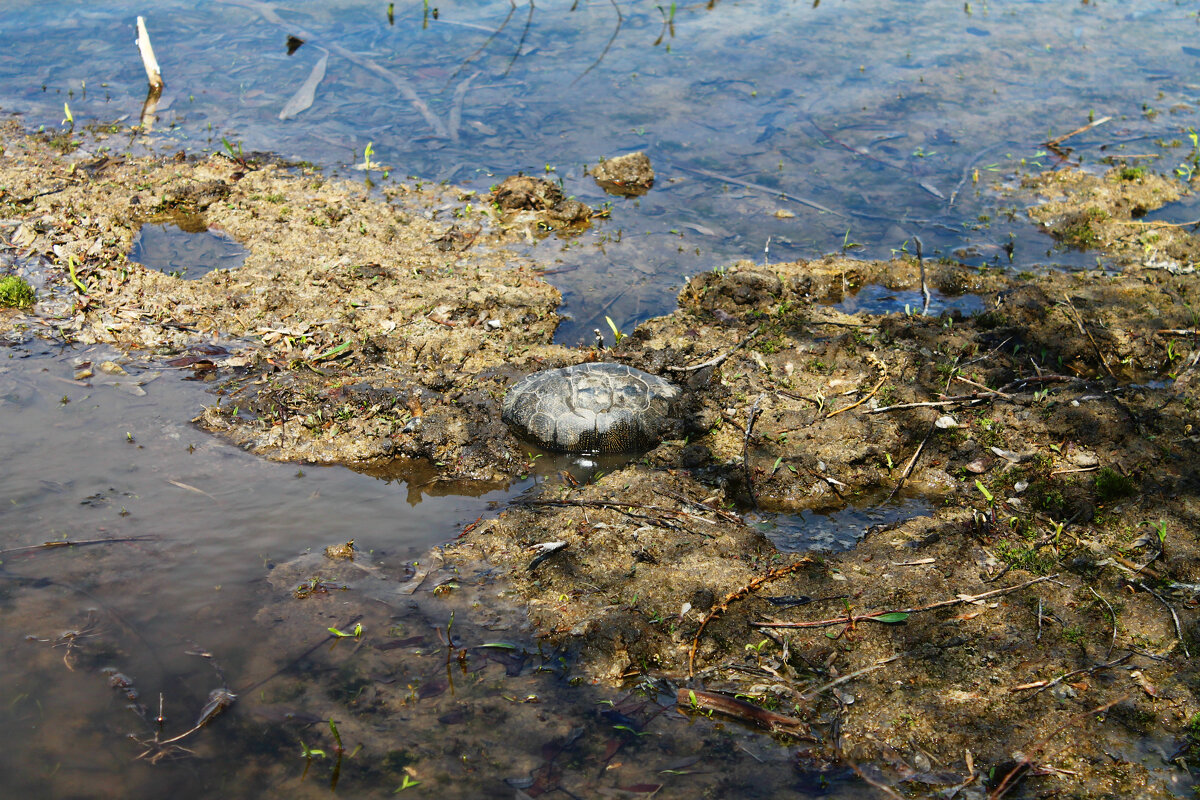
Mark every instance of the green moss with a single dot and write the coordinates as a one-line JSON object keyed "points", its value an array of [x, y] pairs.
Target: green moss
{"points": [[1023, 556], [1131, 173], [15, 292], [1112, 485], [1078, 229]]}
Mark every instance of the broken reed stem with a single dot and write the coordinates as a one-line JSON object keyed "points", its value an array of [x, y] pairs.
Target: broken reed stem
{"points": [[1112, 614], [624, 508], [153, 73], [851, 676], [874, 616], [697, 700], [737, 594], [975, 396], [1060, 139], [718, 360]]}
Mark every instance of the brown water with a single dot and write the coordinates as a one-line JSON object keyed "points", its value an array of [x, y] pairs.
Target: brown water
{"points": [[897, 118]]}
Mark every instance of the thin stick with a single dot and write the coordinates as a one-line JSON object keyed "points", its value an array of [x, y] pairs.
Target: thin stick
{"points": [[1088, 127], [953, 401], [981, 386], [718, 360], [868, 396], [77, 543], [153, 73], [750, 419], [1112, 614], [1088, 333], [1174, 616], [1042, 686], [851, 676], [912, 462], [760, 188], [874, 615]]}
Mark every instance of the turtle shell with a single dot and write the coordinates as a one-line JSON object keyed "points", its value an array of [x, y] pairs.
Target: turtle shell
{"points": [[591, 408]]}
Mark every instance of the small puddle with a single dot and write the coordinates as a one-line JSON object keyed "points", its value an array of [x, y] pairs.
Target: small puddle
{"points": [[185, 248], [832, 533], [876, 299], [1185, 211]]}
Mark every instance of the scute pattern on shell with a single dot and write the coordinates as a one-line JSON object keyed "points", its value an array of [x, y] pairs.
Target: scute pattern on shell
{"points": [[591, 408]]}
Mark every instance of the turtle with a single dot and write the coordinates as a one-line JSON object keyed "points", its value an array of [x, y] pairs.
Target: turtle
{"points": [[591, 408]]}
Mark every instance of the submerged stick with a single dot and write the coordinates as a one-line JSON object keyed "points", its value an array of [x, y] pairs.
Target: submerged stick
{"points": [[267, 12], [153, 73], [77, 543], [758, 187]]}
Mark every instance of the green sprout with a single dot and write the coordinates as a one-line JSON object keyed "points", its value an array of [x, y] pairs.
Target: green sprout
{"points": [[356, 633], [617, 335]]}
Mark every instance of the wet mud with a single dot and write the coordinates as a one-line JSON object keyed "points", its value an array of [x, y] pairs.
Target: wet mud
{"points": [[1035, 628]]}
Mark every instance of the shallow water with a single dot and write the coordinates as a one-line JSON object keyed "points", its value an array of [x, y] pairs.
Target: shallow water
{"points": [[188, 254], [778, 130], [809, 531], [899, 119]]}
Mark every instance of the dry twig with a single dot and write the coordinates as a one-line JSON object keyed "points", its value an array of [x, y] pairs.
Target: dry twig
{"points": [[875, 616], [718, 360]]}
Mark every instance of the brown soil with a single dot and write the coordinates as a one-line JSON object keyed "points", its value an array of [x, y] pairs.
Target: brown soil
{"points": [[1052, 433]]}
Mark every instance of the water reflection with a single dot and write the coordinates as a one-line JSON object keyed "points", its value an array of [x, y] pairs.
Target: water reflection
{"points": [[185, 251], [897, 119]]}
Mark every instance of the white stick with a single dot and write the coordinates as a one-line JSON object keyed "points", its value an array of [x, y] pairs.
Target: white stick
{"points": [[153, 73]]}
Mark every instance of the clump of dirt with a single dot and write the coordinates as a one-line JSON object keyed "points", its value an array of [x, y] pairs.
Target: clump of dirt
{"points": [[1054, 432], [525, 198], [1104, 212], [629, 175]]}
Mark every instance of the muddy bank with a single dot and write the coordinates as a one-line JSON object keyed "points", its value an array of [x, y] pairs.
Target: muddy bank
{"points": [[1058, 573]]}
